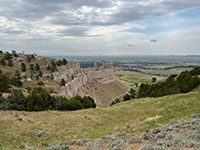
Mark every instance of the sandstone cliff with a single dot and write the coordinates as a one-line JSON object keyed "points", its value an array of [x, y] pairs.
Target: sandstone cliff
{"points": [[90, 83], [104, 74]]}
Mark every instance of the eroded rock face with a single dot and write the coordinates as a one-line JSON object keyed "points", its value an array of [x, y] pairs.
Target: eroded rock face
{"points": [[71, 88], [67, 74], [104, 74]]}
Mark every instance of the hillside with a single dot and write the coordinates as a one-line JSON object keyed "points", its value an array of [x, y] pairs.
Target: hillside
{"points": [[22, 129], [60, 77]]}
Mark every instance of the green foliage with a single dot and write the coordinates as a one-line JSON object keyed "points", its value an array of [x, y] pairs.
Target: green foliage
{"points": [[4, 83], [74, 103], [30, 58], [87, 102], [31, 66], [37, 67], [7, 56], [3, 62], [37, 78], [23, 67], [17, 74], [40, 73], [154, 80], [15, 101], [14, 53], [132, 93], [16, 79], [40, 100], [48, 67], [16, 82], [64, 61], [195, 71], [10, 63], [62, 82], [59, 63], [52, 66], [115, 101], [40, 83], [174, 84], [126, 97]]}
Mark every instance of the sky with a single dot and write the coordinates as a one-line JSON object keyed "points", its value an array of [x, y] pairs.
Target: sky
{"points": [[101, 27]]}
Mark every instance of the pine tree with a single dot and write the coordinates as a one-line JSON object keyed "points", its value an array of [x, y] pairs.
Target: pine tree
{"points": [[23, 67]]}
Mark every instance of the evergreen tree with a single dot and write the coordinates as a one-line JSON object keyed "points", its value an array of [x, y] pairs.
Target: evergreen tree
{"points": [[37, 67], [10, 63], [32, 67], [4, 83], [132, 93], [23, 67], [40, 73], [154, 80], [64, 61], [3, 62], [62, 82], [126, 97]]}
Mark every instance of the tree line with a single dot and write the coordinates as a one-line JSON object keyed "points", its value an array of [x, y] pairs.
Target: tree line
{"points": [[39, 100], [182, 83]]}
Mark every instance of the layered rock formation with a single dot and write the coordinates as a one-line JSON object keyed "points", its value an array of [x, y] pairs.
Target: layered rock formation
{"points": [[103, 74]]}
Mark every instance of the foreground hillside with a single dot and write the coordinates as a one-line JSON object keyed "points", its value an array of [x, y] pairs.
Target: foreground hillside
{"points": [[20, 130]]}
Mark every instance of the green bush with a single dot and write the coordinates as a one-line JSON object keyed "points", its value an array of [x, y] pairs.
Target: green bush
{"points": [[3, 62], [4, 83], [16, 82], [174, 84], [15, 101], [23, 67], [126, 97], [40, 100], [40, 83]]}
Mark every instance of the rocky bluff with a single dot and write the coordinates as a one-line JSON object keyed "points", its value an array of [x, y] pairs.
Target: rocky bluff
{"points": [[75, 77]]}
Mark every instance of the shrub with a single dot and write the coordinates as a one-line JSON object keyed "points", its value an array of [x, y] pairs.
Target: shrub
{"points": [[23, 67], [74, 103], [10, 63], [64, 61], [37, 67], [88, 102], [16, 82], [60, 103], [3, 62], [15, 101], [62, 82], [38, 100], [4, 83], [174, 84], [126, 97], [40, 83], [7, 56]]}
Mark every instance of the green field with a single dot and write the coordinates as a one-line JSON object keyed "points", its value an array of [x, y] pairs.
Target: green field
{"points": [[136, 80], [19, 129]]}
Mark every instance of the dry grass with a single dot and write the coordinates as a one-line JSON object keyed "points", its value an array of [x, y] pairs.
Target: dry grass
{"points": [[128, 117]]}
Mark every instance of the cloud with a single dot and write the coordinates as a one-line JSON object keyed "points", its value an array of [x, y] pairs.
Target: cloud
{"points": [[93, 12], [74, 31], [153, 41], [92, 23]]}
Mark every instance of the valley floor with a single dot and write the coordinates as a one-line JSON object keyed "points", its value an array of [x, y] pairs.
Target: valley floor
{"points": [[22, 130]]}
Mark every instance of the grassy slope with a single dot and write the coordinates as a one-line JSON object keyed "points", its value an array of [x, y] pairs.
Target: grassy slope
{"points": [[128, 117]]}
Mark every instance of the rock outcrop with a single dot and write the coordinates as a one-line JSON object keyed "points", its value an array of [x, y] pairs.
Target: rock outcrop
{"points": [[103, 74], [67, 73]]}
